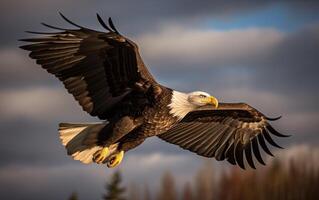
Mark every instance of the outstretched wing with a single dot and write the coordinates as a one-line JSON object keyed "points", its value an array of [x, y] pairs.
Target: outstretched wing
{"points": [[99, 69], [228, 132]]}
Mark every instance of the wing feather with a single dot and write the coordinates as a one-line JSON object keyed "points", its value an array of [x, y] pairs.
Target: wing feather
{"points": [[233, 132], [249, 157], [193, 142], [99, 69], [239, 156], [230, 154], [223, 144], [256, 151], [201, 147], [264, 145], [210, 147], [185, 136], [270, 140]]}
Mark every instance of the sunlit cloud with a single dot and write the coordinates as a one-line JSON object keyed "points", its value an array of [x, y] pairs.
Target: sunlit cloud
{"points": [[208, 46], [39, 104]]}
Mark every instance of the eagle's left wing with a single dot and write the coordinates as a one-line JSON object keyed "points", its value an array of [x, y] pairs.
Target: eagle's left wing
{"points": [[228, 132], [98, 68]]}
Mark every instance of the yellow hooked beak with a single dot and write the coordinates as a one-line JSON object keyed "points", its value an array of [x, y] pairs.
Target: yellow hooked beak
{"points": [[211, 100], [115, 159]]}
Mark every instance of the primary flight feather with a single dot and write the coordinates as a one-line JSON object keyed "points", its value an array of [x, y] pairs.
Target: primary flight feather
{"points": [[106, 75]]}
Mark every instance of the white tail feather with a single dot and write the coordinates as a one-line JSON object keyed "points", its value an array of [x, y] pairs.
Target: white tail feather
{"points": [[80, 140]]}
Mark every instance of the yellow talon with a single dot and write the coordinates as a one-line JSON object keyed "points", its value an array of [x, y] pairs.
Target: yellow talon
{"points": [[101, 155], [115, 159]]}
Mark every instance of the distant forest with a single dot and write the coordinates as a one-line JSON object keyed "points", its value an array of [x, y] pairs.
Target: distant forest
{"points": [[277, 181]]}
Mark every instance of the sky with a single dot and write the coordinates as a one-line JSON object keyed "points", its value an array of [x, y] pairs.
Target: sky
{"points": [[264, 53]]}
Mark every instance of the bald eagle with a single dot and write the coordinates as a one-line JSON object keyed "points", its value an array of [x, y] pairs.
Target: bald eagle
{"points": [[107, 76]]}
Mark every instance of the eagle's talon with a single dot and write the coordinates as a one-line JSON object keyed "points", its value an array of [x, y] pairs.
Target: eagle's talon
{"points": [[100, 155], [115, 159]]}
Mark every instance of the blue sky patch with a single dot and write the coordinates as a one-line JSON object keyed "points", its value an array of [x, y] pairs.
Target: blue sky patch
{"points": [[276, 16]]}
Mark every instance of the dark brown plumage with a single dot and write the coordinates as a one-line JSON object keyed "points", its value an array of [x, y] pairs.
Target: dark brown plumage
{"points": [[99, 69], [106, 75], [228, 132]]}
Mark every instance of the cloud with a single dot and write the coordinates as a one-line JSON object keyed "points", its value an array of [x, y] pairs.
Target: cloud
{"points": [[265, 48], [293, 62], [18, 70], [154, 161], [39, 104], [180, 46], [134, 16], [248, 56]]}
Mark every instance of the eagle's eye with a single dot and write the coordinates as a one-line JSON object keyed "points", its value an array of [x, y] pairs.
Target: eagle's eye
{"points": [[202, 96]]}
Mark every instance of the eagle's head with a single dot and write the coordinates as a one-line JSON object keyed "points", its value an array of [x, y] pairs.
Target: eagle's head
{"points": [[199, 98], [183, 103]]}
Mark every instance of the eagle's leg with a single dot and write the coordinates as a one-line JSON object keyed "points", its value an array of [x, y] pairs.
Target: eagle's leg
{"points": [[115, 159], [100, 155], [130, 141], [110, 136]]}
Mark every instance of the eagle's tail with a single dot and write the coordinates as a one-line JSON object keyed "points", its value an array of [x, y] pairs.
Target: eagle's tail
{"points": [[80, 140]]}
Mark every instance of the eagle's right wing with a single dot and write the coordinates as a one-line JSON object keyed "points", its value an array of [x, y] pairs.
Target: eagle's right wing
{"points": [[228, 132]]}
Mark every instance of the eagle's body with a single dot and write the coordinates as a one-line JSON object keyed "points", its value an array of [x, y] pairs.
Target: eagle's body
{"points": [[106, 75], [150, 117]]}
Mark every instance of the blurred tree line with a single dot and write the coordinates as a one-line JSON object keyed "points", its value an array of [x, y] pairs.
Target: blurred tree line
{"points": [[278, 180]]}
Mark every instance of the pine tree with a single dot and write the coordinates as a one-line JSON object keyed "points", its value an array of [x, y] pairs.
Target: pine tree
{"points": [[114, 189]]}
